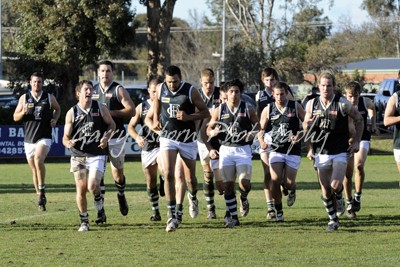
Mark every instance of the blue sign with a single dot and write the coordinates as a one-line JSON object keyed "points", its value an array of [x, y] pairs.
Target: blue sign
{"points": [[12, 141]]}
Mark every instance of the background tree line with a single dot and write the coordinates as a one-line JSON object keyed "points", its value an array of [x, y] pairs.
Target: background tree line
{"points": [[64, 39]]}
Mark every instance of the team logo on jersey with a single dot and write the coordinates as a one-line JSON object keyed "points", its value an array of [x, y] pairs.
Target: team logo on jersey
{"points": [[173, 110], [290, 115], [108, 95], [95, 114], [275, 117], [241, 114], [37, 113], [165, 99], [333, 112], [95, 96], [224, 116]]}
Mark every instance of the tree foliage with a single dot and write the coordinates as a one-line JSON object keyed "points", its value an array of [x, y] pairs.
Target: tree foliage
{"points": [[68, 35]]}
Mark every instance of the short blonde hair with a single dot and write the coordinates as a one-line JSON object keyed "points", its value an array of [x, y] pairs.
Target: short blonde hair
{"points": [[327, 75]]}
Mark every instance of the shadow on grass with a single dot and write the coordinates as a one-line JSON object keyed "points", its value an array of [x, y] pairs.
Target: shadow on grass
{"points": [[63, 188], [368, 223]]}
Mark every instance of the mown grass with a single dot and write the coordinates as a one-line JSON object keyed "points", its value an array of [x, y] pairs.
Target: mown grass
{"points": [[32, 238]]}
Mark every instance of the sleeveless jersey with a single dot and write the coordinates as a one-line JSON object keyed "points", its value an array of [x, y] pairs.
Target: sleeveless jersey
{"points": [[362, 108], [151, 138], [171, 103], [110, 98], [263, 99], [331, 127], [37, 121], [285, 123], [396, 134], [211, 102], [88, 128], [234, 126]]}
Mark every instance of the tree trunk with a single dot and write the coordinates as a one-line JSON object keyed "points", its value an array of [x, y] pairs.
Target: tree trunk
{"points": [[158, 37]]}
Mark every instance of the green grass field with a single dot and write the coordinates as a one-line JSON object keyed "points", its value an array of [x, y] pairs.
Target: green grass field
{"points": [[32, 238]]}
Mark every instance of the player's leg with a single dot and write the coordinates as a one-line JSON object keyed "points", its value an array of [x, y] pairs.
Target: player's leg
{"points": [[359, 176]]}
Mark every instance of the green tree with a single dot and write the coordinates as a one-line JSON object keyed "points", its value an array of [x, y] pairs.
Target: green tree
{"points": [[64, 36], [385, 14]]}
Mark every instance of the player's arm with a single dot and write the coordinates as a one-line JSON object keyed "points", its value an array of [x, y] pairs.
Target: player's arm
{"points": [[389, 118], [56, 110], [300, 111], [154, 123], [264, 119], [126, 101], [20, 110], [358, 124], [256, 125], [110, 123], [67, 138], [213, 127], [132, 126], [372, 115], [308, 117], [201, 112]]}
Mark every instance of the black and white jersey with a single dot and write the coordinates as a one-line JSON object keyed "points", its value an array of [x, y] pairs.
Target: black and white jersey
{"points": [[396, 134], [150, 137], [171, 103], [330, 126], [362, 108], [211, 101], [263, 98], [111, 100], [235, 125], [37, 120], [285, 123], [88, 128]]}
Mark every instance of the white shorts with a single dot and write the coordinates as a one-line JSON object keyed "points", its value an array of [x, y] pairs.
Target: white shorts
{"points": [[293, 161], [364, 144], [116, 151], [267, 139], [323, 161], [234, 155], [150, 157], [92, 164], [204, 156], [186, 150], [396, 153], [30, 148]]}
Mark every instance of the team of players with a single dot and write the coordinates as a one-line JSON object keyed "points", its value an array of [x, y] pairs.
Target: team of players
{"points": [[219, 124]]}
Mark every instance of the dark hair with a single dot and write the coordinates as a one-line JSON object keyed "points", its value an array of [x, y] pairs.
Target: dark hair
{"points": [[81, 83], [106, 62], [173, 70], [37, 74], [231, 83], [282, 85], [353, 87], [266, 72]]}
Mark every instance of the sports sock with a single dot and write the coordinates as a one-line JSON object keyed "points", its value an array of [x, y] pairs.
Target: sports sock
{"points": [[42, 188], [121, 187], [270, 205], [231, 203], [244, 194], [192, 195], [330, 208], [153, 197], [208, 188], [171, 205], [84, 216], [357, 196]]}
